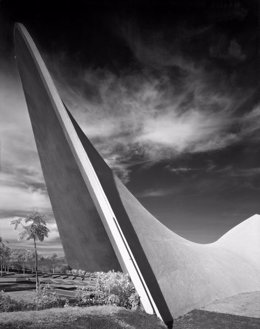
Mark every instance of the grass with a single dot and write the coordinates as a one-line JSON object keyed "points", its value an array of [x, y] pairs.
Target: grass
{"points": [[95, 317], [26, 295], [110, 317]]}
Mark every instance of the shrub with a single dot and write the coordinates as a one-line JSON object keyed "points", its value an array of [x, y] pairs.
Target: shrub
{"points": [[112, 288], [8, 304], [134, 301], [46, 297], [65, 269]]}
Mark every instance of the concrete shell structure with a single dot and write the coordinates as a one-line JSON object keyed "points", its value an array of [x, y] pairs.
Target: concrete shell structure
{"points": [[103, 226]]}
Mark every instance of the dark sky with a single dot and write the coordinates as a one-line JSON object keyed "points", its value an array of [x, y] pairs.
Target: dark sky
{"points": [[168, 92]]}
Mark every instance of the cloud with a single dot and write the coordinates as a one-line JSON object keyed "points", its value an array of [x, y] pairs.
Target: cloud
{"points": [[250, 123], [24, 199], [161, 49], [192, 131], [175, 104], [179, 169], [22, 187], [228, 50], [146, 116], [235, 171], [155, 193], [50, 244]]}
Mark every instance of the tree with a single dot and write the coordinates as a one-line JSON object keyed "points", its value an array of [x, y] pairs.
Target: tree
{"points": [[20, 257], [34, 228], [5, 253], [30, 259], [1, 255], [65, 269], [53, 260]]}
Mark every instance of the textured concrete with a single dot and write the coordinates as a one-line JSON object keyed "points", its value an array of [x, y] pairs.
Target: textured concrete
{"points": [[246, 304], [189, 274], [177, 275], [83, 236], [86, 221]]}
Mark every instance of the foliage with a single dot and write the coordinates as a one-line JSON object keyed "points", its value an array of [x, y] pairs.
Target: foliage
{"points": [[65, 269], [24, 260], [47, 298], [112, 288], [44, 298], [22, 257], [77, 272], [134, 301], [8, 304], [34, 228], [5, 255], [53, 259], [95, 317]]}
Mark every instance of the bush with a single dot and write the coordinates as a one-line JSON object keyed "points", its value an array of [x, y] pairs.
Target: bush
{"points": [[112, 288], [44, 298], [134, 301], [8, 304], [65, 269], [47, 298]]}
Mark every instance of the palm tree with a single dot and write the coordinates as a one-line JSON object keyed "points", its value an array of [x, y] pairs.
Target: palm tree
{"points": [[34, 228]]}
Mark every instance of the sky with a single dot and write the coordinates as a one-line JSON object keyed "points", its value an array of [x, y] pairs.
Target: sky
{"points": [[167, 91]]}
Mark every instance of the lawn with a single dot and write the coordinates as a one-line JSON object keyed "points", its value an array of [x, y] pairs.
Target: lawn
{"points": [[236, 312], [110, 317], [26, 295], [95, 317]]}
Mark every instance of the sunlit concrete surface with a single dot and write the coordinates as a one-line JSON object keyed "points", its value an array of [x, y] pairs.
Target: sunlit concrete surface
{"points": [[245, 304], [77, 217], [103, 226], [88, 222]]}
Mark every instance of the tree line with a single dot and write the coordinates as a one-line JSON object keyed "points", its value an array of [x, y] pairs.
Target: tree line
{"points": [[23, 260], [34, 228]]}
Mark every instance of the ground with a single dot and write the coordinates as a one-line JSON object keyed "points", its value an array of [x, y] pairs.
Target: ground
{"points": [[246, 304], [237, 312], [94, 317], [199, 319]]}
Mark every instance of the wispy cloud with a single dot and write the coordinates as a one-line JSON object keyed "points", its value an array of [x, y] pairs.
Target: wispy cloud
{"points": [[22, 187], [150, 117], [250, 123], [180, 169], [50, 244], [235, 171], [155, 193], [176, 104], [172, 105]]}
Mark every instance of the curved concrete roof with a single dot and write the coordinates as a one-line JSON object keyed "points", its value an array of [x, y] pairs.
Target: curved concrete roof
{"points": [[190, 274]]}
